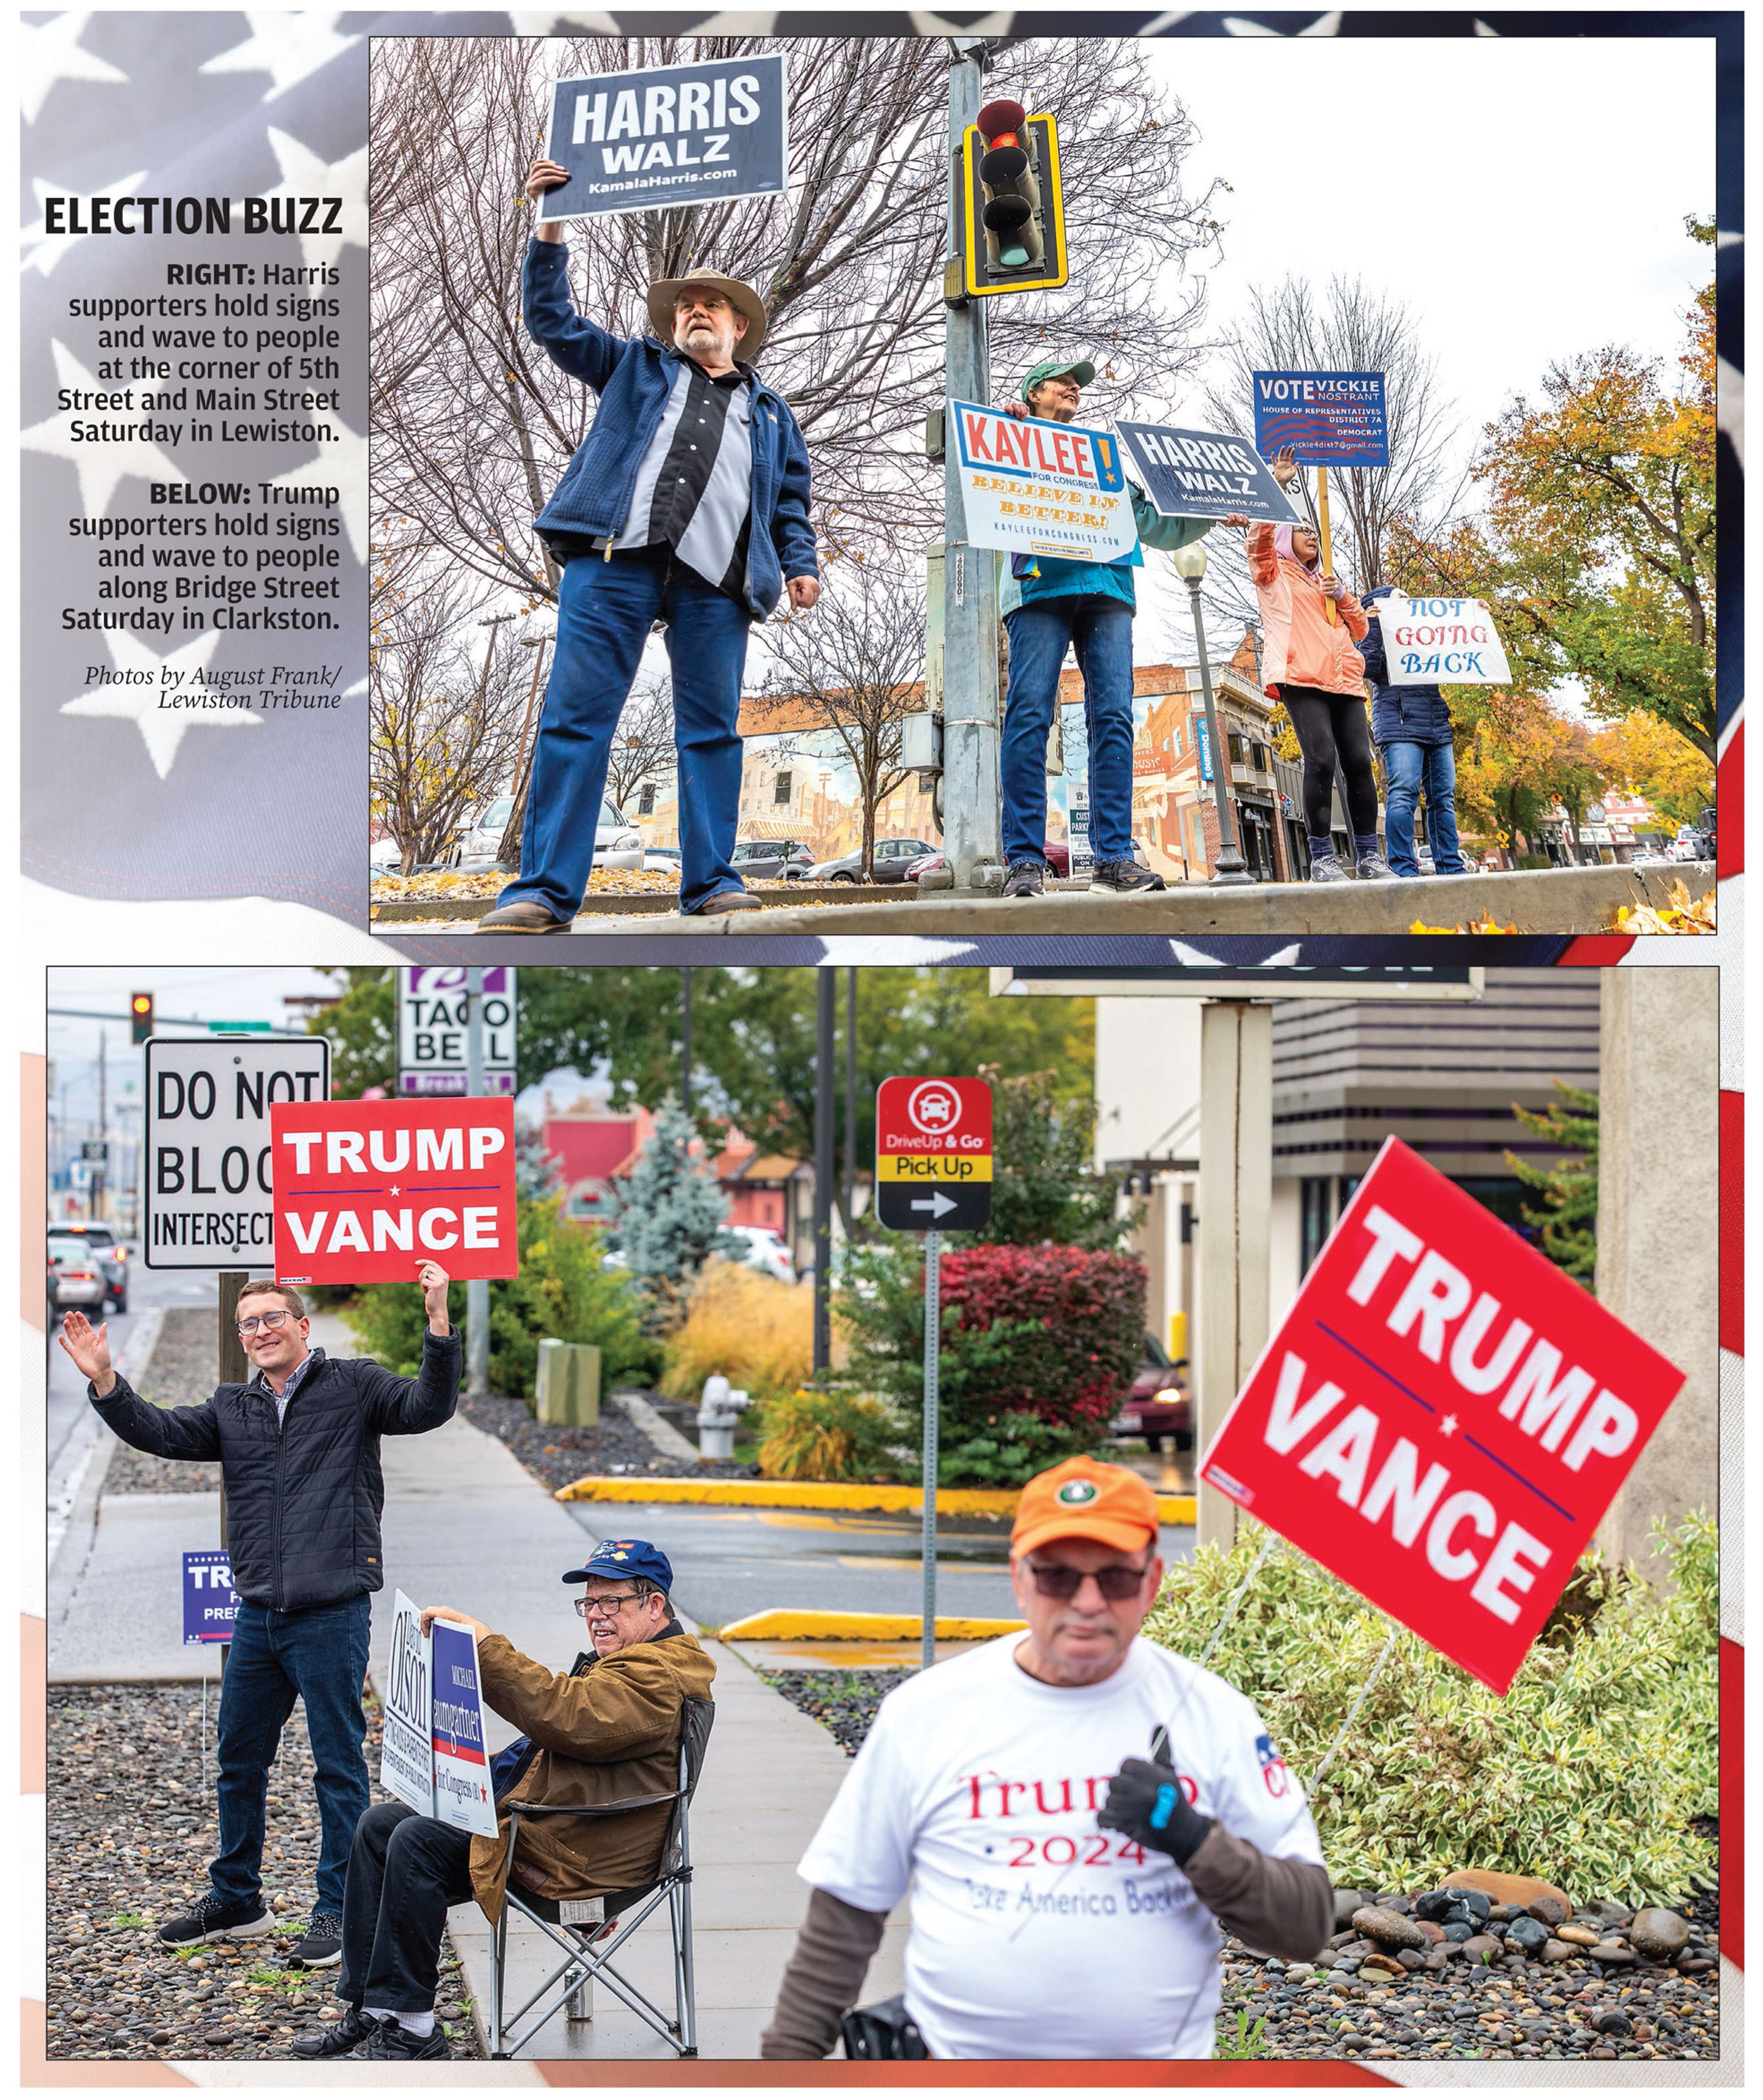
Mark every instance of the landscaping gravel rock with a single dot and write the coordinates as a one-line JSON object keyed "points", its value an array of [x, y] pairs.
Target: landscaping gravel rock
{"points": [[1561, 2005], [132, 1829]]}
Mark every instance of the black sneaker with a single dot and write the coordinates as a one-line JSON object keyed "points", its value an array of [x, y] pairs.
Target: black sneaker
{"points": [[1124, 875], [1024, 879], [388, 2043], [340, 2038], [210, 1918], [322, 1946]]}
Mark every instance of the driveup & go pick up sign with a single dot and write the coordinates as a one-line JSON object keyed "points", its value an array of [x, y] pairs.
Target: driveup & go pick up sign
{"points": [[933, 1155], [1441, 1418], [365, 1190]]}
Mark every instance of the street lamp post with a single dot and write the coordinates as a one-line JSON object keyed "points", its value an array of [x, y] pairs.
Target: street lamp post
{"points": [[1191, 566]]}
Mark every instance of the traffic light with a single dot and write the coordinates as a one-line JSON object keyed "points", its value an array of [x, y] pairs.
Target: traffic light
{"points": [[140, 1016], [1013, 223]]}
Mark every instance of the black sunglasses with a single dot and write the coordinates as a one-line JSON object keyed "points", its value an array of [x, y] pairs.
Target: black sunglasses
{"points": [[1116, 1583]]}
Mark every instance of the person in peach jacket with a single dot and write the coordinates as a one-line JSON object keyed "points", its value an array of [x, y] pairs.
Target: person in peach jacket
{"points": [[1314, 669]]}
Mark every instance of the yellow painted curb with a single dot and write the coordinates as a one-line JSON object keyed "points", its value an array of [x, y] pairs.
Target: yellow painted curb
{"points": [[860, 1626], [817, 1494]]}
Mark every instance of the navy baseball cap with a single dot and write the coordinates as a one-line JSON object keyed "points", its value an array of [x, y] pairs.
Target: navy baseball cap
{"points": [[613, 1557]]}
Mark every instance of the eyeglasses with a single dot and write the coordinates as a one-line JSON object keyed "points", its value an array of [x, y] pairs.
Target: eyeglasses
{"points": [[263, 1320], [587, 1606], [1117, 1584]]}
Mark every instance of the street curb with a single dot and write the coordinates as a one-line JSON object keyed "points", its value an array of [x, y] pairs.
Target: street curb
{"points": [[820, 1494], [671, 1442], [784, 1625], [610, 904], [76, 1514]]}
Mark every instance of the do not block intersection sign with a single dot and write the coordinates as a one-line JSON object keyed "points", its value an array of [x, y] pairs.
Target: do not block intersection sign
{"points": [[1441, 1418], [933, 1155]]}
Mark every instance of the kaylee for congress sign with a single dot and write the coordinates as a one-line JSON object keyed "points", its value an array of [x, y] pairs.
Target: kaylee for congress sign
{"points": [[1205, 473], [366, 1190], [1441, 1418], [697, 134], [1042, 488], [1430, 641]]}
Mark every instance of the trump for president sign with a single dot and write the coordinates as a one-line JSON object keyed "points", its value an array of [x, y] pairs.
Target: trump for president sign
{"points": [[365, 1190], [1441, 1418]]}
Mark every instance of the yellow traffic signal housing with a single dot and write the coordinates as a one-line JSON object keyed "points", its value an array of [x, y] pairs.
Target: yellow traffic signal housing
{"points": [[1010, 213], [140, 1016]]}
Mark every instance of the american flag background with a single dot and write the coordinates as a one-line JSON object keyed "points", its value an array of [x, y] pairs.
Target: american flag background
{"points": [[124, 805]]}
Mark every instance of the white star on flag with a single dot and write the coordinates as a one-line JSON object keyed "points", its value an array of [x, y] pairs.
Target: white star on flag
{"points": [[52, 52], [288, 47], [343, 467], [1447, 1425], [48, 249], [99, 467], [305, 174], [162, 729]]}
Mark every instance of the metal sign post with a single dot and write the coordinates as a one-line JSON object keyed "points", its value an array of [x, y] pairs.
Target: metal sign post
{"points": [[933, 1168], [477, 1290]]}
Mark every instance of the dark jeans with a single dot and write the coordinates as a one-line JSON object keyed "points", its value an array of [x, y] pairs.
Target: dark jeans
{"points": [[1408, 767], [1100, 630], [404, 1870], [318, 1655], [605, 611], [1328, 724]]}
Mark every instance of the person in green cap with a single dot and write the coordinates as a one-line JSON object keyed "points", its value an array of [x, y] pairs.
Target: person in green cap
{"points": [[1048, 605]]}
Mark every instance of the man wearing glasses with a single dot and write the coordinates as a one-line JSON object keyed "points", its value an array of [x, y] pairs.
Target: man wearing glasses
{"points": [[1077, 1810], [298, 1446], [606, 1731]]}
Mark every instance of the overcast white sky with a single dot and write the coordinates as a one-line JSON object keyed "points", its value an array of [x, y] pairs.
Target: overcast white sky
{"points": [[1550, 176]]}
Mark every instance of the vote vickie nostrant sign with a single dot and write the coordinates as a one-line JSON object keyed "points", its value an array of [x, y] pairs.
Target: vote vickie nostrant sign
{"points": [[1441, 1418]]}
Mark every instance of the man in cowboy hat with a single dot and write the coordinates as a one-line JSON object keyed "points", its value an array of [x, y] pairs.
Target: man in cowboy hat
{"points": [[1048, 605], [687, 503]]}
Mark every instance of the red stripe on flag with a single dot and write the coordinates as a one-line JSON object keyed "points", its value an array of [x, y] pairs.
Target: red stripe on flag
{"points": [[1591, 949], [1732, 1802], [1729, 791], [1732, 1222]]}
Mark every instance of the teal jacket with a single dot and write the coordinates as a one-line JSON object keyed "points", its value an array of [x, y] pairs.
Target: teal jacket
{"points": [[1062, 579]]}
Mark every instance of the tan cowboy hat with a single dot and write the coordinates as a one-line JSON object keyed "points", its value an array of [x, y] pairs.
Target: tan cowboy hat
{"points": [[664, 295]]}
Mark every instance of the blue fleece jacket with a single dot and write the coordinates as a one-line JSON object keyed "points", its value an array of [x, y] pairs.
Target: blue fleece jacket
{"points": [[633, 377], [1400, 714]]}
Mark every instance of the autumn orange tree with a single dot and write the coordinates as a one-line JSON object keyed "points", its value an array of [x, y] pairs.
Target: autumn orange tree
{"points": [[1517, 755], [1597, 546], [1646, 757]]}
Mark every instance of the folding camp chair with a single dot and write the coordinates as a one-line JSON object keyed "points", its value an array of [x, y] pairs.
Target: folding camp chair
{"points": [[579, 1929]]}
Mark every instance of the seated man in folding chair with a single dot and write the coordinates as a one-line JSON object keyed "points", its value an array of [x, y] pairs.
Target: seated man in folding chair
{"points": [[607, 1731]]}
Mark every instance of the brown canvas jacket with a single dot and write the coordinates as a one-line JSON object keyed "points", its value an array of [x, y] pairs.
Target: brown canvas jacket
{"points": [[607, 1732]]}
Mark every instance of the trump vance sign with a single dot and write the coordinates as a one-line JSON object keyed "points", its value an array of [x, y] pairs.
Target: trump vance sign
{"points": [[365, 1190], [699, 134], [1441, 1418], [206, 1180]]}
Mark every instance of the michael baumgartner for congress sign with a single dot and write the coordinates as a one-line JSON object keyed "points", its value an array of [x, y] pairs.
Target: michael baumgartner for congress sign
{"points": [[675, 135], [365, 1190], [1441, 1418]]}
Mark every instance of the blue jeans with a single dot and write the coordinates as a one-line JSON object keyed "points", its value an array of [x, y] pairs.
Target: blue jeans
{"points": [[1100, 629], [605, 611], [1408, 768], [319, 1656]]}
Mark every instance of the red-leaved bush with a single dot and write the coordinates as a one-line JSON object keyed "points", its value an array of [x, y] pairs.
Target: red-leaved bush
{"points": [[1079, 1323]]}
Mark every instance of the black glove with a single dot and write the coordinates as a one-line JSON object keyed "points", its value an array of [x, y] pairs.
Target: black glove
{"points": [[1146, 1800]]}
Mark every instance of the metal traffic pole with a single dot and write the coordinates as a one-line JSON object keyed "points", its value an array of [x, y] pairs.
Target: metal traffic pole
{"points": [[477, 1289], [972, 807], [933, 1345]]}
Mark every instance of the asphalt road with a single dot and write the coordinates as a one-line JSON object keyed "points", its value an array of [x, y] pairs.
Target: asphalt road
{"points": [[731, 1563], [67, 1404]]}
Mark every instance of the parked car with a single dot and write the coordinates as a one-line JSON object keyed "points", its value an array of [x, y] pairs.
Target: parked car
{"points": [[661, 860], [109, 1252], [1158, 1405], [772, 860], [766, 1250], [616, 843], [77, 1277], [893, 858], [1058, 860]]}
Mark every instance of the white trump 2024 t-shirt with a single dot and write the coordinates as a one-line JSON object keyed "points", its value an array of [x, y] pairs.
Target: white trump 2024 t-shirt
{"points": [[1033, 1933]]}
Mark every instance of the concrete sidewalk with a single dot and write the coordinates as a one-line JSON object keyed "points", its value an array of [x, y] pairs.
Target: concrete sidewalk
{"points": [[466, 1525]]}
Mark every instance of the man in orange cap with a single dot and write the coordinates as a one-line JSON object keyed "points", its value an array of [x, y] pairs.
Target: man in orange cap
{"points": [[1067, 1891]]}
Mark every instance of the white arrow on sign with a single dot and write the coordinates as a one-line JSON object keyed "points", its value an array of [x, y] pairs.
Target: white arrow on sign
{"points": [[936, 1203]]}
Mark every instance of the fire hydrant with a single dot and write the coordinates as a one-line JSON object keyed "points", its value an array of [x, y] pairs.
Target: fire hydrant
{"points": [[721, 1407]]}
